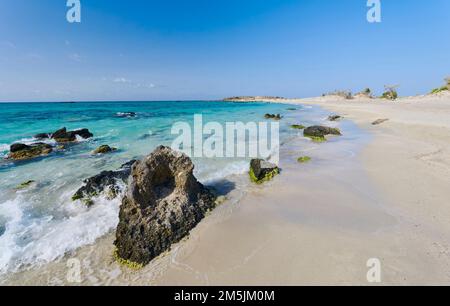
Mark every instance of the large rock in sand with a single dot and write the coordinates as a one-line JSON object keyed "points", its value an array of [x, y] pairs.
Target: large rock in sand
{"points": [[164, 201]]}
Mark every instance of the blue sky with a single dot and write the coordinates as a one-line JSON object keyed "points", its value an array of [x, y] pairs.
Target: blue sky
{"points": [[204, 49]]}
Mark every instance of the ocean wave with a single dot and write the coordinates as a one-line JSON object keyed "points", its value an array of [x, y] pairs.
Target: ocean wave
{"points": [[32, 242], [235, 168]]}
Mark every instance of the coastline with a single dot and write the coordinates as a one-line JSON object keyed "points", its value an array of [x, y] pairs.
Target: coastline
{"points": [[318, 223]]}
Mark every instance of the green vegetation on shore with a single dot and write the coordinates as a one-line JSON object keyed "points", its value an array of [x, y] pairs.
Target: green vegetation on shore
{"points": [[443, 88], [390, 92]]}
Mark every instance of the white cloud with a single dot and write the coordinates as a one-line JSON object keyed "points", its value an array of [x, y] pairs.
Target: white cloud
{"points": [[122, 80], [76, 57]]}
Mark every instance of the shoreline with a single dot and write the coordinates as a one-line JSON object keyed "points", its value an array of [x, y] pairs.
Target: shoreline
{"points": [[318, 223]]}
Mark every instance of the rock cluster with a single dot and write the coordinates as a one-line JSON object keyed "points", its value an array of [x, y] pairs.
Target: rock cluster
{"points": [[63, 135]]}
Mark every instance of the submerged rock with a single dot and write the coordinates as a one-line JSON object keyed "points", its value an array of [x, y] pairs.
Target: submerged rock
{"points": [[20, 151], [334, 118], [262, 171], [25, 185], [272, 116], [298, 127], [164, 201], [103, 150], [107, 182], [304, 159]]}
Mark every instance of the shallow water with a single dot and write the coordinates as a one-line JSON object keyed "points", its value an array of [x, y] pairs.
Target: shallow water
{"points": [[41, 223]]}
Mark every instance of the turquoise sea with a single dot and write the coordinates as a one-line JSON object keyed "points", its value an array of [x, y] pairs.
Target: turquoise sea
{"points": [[42, 223]]}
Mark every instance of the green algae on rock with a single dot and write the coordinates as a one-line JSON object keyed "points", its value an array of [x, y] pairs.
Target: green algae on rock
{"points": [[304, 159], [262, 171]]}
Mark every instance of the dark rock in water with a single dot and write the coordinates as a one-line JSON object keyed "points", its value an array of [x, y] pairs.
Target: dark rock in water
{"points": [[262, 171], [17, 147], [63, 135], [126, 115], [334, 118], [20, 151], [104, 150], [42, 136], [272, 116], [321, 131], [144, 137], [105, 182], [164, 201]]}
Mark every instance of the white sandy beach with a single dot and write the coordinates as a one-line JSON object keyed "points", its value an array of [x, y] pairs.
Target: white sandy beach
{"points": [[317, 223]]}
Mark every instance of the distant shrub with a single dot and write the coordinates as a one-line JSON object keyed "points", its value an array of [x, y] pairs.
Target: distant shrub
{"points": [[365, 93], [340, 93], [443, 88], [390, 92], [440, 89]]}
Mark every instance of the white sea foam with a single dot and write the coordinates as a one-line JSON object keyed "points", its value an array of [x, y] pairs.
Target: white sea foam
{"points": [[4, 147], [30, 242], [235, 168]]}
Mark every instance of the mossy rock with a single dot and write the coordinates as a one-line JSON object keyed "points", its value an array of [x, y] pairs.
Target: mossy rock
{"points": [[103, 150], [317, 139], [25, 185], [273, 116], [220, 200], [127, 263], [304, 159], [262, 171], [298, 127]]}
